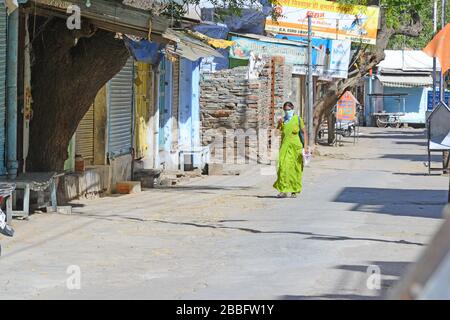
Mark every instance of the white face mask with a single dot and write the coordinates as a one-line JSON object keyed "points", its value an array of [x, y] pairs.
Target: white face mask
{"points": [[288, 114]]}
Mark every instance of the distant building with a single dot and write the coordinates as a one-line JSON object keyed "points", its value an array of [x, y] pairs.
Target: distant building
{"points": [[402, 84]]}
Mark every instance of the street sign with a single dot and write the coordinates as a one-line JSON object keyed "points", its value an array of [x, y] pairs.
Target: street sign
{"points": [[346, 107]]}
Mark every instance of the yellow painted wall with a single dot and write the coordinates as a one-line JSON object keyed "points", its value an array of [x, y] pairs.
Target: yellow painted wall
{"points": [[143, 98], [100, 127]]}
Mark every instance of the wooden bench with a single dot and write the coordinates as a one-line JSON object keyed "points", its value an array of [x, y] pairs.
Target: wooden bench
{"points": [[33, 181]]}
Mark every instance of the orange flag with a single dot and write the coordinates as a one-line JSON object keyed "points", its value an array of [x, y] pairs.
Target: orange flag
{"points": [[439, 47]]}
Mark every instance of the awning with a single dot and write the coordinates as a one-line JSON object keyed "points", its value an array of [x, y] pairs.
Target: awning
{"points": [[188, 47], [406, 81]]}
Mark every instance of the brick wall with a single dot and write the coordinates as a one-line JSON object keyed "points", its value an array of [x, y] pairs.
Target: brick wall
{"points": [[229, 101]]}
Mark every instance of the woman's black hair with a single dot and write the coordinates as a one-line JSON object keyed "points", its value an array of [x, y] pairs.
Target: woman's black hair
{"points": [[288, 103]]}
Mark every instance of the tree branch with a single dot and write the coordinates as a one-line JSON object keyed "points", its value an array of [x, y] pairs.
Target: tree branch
{"points": [[411, 29]]}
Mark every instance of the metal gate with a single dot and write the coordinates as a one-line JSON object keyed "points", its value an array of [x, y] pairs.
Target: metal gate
{"points": [[3, 34], [120, 112], [84, 139]]}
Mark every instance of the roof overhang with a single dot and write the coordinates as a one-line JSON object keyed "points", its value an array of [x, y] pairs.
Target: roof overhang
{"points": [[186, 46], [405, 81], [109, 15]]}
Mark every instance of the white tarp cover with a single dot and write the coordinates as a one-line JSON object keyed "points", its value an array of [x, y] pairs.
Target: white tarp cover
{"points": [[407, 60], [406, 81]]}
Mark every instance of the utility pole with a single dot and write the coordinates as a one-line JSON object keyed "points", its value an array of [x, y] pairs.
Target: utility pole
{"points": [[442, 83], [442, 86], [434, 58], [310, 103]]}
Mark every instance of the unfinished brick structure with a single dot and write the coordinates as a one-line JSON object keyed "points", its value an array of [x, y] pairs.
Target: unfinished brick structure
{"points": [[235, 107]]}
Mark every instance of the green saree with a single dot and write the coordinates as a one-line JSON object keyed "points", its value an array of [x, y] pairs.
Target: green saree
{"points": [[290, 158]]}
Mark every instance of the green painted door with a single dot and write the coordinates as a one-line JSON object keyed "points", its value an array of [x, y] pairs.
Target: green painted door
{"points": [[3, 33]]}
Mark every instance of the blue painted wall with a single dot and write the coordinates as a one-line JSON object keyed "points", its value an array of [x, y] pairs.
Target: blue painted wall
{"points": [[415, 103], [195, 133], [165, 105], [185, 118], [189, 109]]}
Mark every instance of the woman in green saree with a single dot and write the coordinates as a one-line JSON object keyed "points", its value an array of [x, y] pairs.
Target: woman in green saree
{"points": [[290, 158]]}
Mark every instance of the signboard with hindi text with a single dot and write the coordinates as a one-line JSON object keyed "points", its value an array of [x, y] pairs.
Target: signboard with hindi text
{"points": [[330, 58], [330, 20], [346, 107], [243, 47]]}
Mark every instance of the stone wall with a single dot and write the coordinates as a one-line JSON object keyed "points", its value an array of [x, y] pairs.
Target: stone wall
{"points": [[283, 82]]}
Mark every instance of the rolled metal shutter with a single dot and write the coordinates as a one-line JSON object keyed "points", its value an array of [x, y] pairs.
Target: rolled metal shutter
{"points": [[84, 139], [120, 112], [3, 35]]}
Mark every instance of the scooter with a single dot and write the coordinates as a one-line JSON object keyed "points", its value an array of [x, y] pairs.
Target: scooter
{"points": [[345, 129]]}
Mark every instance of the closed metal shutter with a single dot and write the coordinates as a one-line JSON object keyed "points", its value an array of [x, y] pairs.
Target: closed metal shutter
{"points": [[120, 112], [3, 34], [84, 139]]}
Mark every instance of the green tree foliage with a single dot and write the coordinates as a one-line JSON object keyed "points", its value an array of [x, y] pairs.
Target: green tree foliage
{"points": [[223, 7], [418, 43], [399, 12]]}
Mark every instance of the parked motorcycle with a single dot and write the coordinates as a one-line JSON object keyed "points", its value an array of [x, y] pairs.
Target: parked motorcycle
{"points": [[346, 129]]}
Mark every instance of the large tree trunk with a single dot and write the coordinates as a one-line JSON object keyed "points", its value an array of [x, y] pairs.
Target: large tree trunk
{"points": [[365, 59], [68, 69], [331, 121]]}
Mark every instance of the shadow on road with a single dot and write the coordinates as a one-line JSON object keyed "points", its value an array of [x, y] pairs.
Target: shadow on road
{"points": [[413, 157], [392, 269], [394, 136], [417, 174], [418, 143], [387, 268], [330, 297], [398, 202], [203, 188]]}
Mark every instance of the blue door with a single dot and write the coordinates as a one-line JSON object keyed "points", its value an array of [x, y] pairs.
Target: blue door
{"points": [[189, 109], [185, 109], [3, 33], [165, 104]]}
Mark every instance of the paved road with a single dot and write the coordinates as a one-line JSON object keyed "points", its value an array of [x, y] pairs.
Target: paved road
{"points": [[228, 237]]}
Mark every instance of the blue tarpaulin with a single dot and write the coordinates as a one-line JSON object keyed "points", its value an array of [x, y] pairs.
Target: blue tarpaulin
{"points": [[216, 31], [250, 21], [145, 51]]}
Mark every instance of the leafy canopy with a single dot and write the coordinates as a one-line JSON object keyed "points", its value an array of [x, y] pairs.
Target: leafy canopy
{"points": [[400, 12]]}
